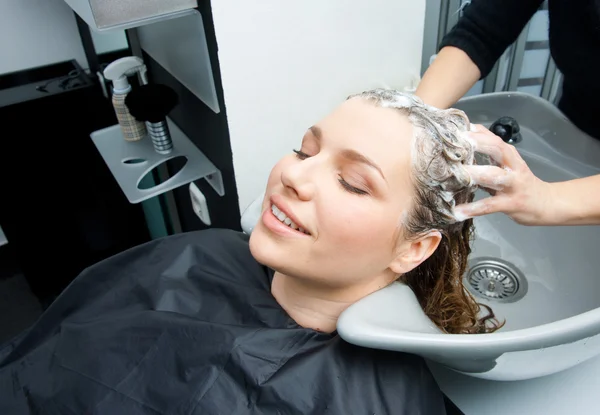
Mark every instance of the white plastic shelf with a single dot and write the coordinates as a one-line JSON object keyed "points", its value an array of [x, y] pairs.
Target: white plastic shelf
{"points": [[103, 15], [129, 162], [172, 42]]}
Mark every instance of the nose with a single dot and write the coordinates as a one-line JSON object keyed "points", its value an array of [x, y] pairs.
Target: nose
{"points": [[299, 178]]}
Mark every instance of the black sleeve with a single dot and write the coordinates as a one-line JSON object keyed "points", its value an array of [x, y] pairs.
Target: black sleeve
{"points": [[488, 27]]}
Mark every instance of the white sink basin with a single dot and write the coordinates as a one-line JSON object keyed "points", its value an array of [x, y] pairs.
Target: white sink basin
{"points": [[553, 320]]}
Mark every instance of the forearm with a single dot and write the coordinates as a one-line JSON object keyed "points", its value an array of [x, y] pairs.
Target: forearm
{"points": [[576, 202], [448, 78], [470, 50]]}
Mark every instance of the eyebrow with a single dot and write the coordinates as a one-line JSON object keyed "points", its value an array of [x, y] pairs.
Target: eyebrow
{"points": [[348, 154], [359, 158]]}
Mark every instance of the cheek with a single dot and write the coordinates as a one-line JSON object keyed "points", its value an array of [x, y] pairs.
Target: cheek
{"points": [[360, 226]]}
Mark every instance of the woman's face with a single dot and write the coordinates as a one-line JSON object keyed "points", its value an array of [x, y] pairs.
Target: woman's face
{"points": [[332, 210]]}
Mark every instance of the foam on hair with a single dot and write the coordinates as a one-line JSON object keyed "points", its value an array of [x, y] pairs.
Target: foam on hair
{"points": [[440, 152], [440, 149]]}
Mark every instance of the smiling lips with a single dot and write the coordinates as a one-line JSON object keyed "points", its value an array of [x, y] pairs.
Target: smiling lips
{"points": [[283, 218]]}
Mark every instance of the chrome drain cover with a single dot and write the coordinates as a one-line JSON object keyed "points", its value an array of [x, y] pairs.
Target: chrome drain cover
{"points": [[495, 280]]}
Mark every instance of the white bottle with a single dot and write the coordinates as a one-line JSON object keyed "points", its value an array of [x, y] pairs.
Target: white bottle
{"points": [[117, 72]]}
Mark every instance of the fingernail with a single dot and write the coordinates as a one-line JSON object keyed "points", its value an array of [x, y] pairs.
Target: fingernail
{"points": [[474, 128]]}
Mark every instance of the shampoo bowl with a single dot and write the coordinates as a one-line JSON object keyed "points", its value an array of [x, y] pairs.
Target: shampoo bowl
{"points": [[544, 281]]}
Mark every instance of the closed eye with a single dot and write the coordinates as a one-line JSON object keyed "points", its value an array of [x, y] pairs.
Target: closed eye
{"points": [[348, 187], [301, 155], [345, 185]]}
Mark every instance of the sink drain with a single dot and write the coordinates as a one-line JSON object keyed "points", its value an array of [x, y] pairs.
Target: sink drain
{"points": [[496, 280]]}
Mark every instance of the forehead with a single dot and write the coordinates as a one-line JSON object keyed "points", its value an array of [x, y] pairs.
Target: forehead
{"points": [[384, 135]]}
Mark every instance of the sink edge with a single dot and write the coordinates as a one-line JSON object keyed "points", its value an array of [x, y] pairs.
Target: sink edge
{"points": [[359, 330]]}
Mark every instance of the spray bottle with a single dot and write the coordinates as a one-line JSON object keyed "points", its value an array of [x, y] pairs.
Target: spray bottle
{"points": [[117, 72]]}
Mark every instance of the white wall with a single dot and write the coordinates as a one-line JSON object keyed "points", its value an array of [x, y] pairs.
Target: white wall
{"points": [[284, 65], [37, 32]]}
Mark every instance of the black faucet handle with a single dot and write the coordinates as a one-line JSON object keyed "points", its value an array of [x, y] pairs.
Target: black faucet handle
{"points": [[507, 128]]}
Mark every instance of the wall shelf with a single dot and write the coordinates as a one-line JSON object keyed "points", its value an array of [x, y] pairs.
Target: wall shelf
{"points": [[3, 240], [172, 42], [129, 162], [103, 15]]}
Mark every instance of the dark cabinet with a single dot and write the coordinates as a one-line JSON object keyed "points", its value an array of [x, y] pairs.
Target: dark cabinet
{"points": [[60, 207]]}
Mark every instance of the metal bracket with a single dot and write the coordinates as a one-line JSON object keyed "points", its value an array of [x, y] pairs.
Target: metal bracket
{"points": [[3, 238], [129, 162]]}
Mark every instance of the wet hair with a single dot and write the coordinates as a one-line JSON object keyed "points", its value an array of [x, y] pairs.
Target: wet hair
{"points": [[439, 153]]}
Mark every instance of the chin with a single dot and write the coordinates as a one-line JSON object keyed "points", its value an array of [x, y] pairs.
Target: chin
{"points": [[272, 252], [262, 248]]}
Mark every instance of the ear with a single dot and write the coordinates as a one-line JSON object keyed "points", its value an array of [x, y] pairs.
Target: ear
{"points": [[410, 254]]}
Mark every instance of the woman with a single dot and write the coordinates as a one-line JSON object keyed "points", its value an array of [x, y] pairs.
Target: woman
{"points": [[207, 323], [470, 50]]}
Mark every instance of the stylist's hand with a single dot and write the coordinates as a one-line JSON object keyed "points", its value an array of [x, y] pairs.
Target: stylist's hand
{"points": [[515, 190]]}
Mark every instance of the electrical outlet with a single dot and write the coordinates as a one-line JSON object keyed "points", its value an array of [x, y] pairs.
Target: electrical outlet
{"points": [[199, 204]]}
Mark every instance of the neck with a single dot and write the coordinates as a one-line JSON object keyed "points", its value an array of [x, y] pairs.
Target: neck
{"points": [[313, 306]]}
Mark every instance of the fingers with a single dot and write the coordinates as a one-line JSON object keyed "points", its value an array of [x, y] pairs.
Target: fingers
{"points": [[488, 143], [479, 208], [490, 177]]}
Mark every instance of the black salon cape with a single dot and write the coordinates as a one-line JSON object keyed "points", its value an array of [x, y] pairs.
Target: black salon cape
{"points": [[187, 325]]}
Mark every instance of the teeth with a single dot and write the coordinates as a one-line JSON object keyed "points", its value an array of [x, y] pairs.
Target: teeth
{"points": [[283, 218]]}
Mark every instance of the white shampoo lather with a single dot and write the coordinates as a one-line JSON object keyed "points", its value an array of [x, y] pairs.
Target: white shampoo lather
{"points": [[117, 72]]}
